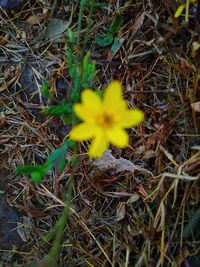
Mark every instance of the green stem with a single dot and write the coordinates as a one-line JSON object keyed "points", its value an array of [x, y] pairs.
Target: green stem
{"points": [[89, 24], [70, 53], [55, 249], [62, 223], [59, 229], [187, 11], [80, 17], [63, 220]]}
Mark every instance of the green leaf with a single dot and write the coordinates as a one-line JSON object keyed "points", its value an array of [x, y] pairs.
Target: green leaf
{"points": [[116, 44], [99, 93], [115, 26], [75, 96], [63, 110], [88, 72], [56, 159], [179, 11], [45, 88], [37, 176], [27, 169], [37, 172], [67, 119], [104, 40], [70, 36]]}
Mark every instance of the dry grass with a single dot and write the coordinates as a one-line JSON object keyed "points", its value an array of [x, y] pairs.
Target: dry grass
{"points": [[133, 219]]}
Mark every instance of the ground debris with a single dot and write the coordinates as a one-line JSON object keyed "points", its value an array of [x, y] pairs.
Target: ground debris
{"points": [[121, 198], [109, 163]]}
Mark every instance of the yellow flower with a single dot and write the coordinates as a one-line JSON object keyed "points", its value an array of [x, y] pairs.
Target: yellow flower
{"points": [[104, 120]]}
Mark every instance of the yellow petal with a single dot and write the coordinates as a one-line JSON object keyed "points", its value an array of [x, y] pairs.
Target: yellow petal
{"points": [[117, 136], [82, 131], [84, 113], [91, 101], [179, 11], [99, 145], [113, 95], [130, 118]]}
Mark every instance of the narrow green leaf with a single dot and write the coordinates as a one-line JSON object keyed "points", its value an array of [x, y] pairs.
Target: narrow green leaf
{"points": [[62, 109], [57, 159], [99, 93], [37, 172], [45, 88], [115, 26], [76, 92], [69, 51], [88, 72], [37, 176]]}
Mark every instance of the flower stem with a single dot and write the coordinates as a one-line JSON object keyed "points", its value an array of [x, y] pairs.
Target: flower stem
{"points": [[80, 17], [89, 24]]}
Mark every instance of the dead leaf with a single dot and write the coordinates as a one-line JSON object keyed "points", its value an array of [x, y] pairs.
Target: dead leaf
{"points": [[121, 210], [196, 106], [133, 198], [33, 20], [149, 154], [24, 229], [120, 194], [138, 24], [195, 48], [9, 78], [56, 27], [142, 191], [109, 163]]}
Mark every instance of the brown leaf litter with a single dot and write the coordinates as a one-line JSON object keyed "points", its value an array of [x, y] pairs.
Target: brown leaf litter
{"points": [[130, 207]]}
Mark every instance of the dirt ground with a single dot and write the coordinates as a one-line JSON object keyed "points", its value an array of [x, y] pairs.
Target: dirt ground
{"points": [[144, 214]]}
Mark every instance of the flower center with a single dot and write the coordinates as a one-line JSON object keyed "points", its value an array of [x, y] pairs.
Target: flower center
{"points": [[105, 121]]}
